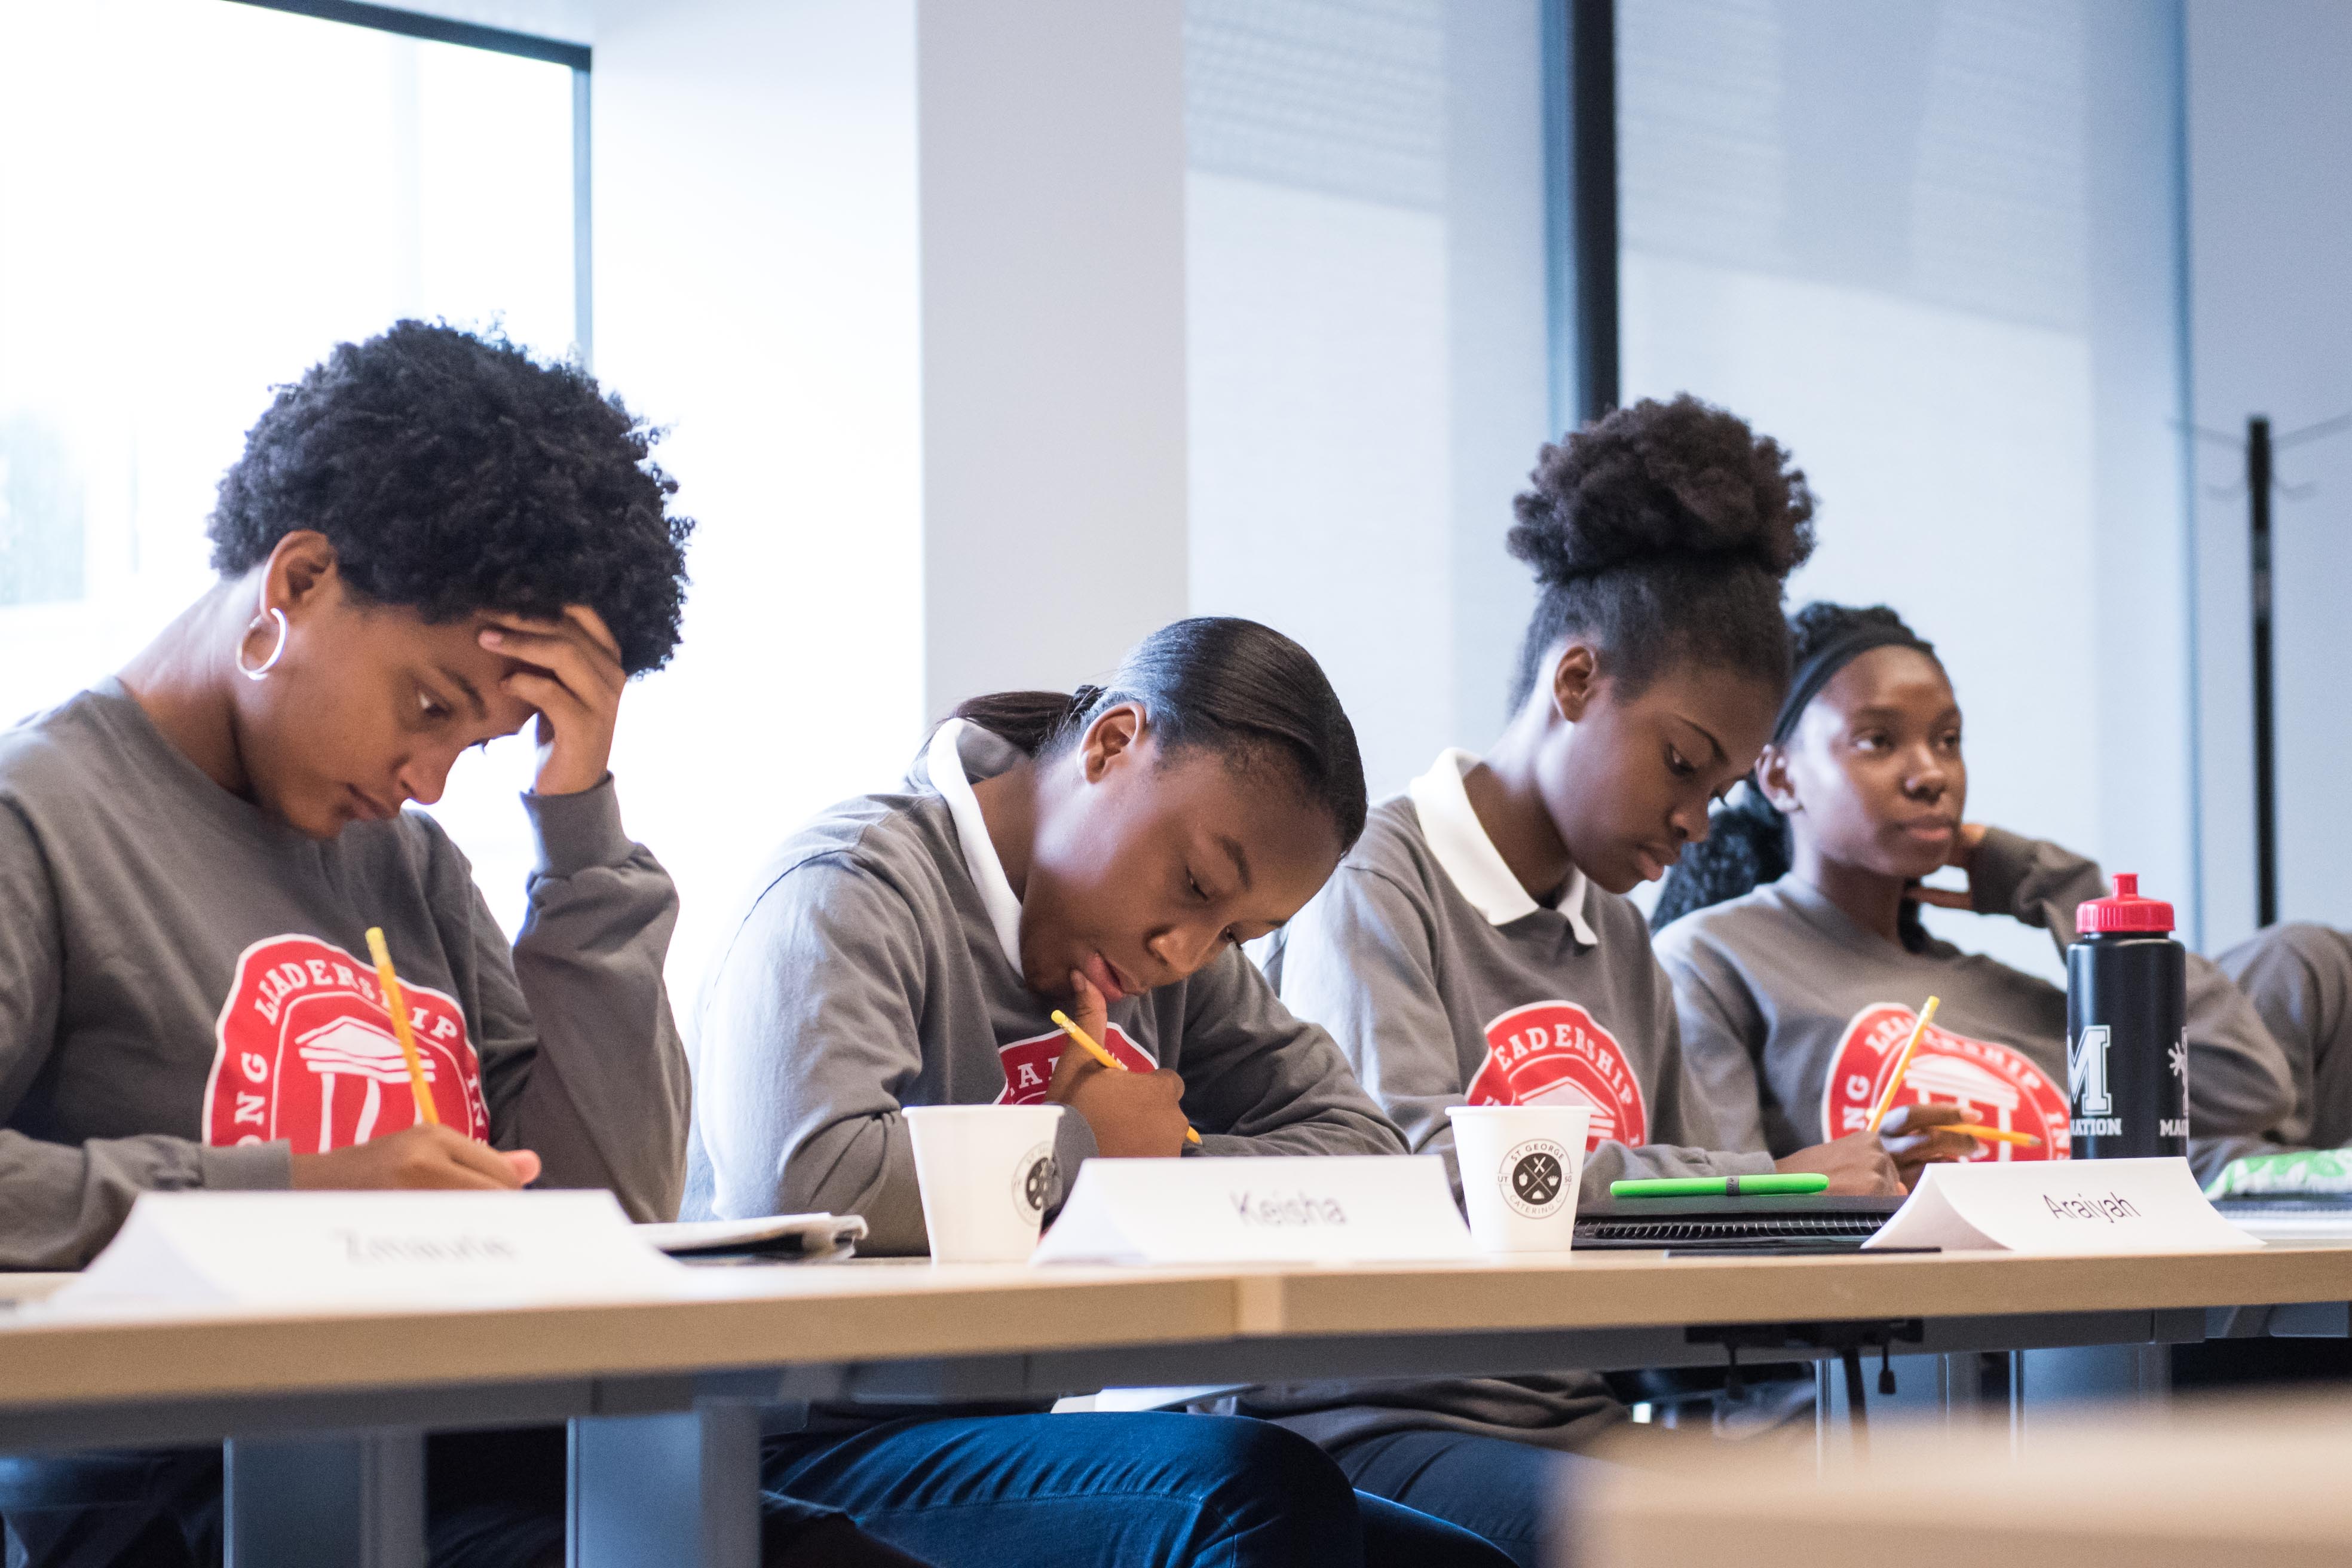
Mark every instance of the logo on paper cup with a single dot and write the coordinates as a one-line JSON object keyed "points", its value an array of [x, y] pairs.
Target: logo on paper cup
{"points": [[1553, 1053], [1534, 1177], [1033, 1183], [1995, 1085]]}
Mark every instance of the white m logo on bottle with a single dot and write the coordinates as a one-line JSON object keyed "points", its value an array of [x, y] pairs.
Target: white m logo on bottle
{"points": [[2087, 1072]]}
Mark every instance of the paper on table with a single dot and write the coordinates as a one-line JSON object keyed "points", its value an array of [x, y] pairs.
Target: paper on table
{"points": [[811, 1237], [2060, 1206], [1345, 1208], [326, 1250]]}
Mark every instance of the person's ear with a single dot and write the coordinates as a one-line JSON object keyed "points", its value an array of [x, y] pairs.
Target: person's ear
{"points": [[1575, 681], [302, 573], [1772, 778], [1110, 740]]}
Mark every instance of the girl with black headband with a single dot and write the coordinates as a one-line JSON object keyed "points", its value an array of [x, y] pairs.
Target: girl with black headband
{"points": [[1798, 959], [1475, 947]]}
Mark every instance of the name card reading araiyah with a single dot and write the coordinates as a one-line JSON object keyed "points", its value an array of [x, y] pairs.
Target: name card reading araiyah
{"points": [[334, 1250], [2060, 1206], [1334, 1209]]}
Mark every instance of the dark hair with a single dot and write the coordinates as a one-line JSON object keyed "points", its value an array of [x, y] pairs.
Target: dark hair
{"points": [[1664, 531], [1746, 841], [454, 473], [1243, 690]]}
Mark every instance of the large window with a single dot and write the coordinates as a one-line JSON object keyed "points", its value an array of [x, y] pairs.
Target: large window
{"points": [[1933, 247], [197, 199], [1366, 299]]}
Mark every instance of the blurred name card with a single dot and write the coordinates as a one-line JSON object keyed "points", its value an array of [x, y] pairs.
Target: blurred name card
{"points": [[1330, 1209], [342, 1251], [2056, 1208]]}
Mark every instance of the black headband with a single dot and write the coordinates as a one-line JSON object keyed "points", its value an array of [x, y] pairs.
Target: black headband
{"points": [[1832, 656]]}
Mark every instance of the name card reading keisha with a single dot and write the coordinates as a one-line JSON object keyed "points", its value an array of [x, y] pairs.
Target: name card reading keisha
{"points": [[336, 1250], [1333, 1208], [2060, 1206]]}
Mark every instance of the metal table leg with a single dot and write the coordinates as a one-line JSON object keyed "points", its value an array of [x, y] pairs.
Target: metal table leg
{"points": [[354, 1498], [672, 1491]]}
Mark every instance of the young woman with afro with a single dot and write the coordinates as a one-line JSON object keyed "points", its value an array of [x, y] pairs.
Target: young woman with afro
{"points": [[430, 541], [1476, 947], [1798, 958]]}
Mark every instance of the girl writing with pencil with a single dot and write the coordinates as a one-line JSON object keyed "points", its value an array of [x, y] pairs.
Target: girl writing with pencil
{"points": [[1101, 853], [430, 540], [1798, 955], [1476, 948]]}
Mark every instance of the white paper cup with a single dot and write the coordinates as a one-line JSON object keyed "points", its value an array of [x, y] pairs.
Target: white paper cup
{"points": [[986, 1173], [1521, 1166]]}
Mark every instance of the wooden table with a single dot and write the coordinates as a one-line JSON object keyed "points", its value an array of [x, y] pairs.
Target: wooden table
{"points": [[323, 1413], [2207, 1481]]}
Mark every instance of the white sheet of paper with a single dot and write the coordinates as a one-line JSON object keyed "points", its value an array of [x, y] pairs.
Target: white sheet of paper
{"points": [[353, 1250], [816, 1233], [2060, 1206], [1331, 1208]]}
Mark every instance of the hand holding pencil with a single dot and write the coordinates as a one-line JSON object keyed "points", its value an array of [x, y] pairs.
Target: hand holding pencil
{"points": [[1132, 1114], [429, 1155]]}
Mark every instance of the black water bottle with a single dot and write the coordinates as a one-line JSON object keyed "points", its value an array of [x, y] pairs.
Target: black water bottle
{"points": [[2126, 1029]]}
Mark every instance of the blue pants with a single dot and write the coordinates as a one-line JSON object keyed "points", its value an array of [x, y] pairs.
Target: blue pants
{"points": [[1511, 1493], [1107, 1491]]}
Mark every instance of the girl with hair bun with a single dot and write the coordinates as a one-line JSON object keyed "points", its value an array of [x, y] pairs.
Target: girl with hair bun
{"points": [[1476, 948], [1105, 851], [1798, 956]]}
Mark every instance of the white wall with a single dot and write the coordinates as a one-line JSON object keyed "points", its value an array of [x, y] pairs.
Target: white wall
{"points": [[2270, 161], [905, 280], [1053, 338], [757, 289]]}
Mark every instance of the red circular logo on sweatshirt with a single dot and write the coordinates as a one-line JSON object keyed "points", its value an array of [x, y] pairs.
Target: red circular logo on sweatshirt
{"points": [[1552, 1053], [1029, 1063], [1997, 1085], [307, 1052]]}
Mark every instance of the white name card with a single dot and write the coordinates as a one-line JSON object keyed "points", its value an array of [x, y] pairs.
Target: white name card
{"points": [[2060, 1206], [1331, 1209], [357, 1250]]}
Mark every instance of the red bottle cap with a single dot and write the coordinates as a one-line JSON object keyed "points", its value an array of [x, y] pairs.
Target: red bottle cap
{"points": [[2125, 911]]}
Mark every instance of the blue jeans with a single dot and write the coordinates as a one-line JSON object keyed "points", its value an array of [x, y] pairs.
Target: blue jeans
{"points": [[1513, 1494], [1103, 1490]]}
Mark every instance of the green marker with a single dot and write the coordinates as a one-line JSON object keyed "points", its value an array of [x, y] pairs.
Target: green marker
{"points": [[1720, 1186]]}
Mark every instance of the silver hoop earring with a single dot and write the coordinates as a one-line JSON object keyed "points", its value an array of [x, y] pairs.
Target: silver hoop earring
{"points": [[267, 665]]}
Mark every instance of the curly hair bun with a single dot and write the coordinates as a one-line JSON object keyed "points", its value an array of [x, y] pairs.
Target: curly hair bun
{"points": [[1663, 481]]}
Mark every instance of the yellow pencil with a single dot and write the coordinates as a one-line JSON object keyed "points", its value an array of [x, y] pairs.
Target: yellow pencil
{"points": [[1990, 1134], [1886, 1100], [397, 1005], [1086, 1042]]}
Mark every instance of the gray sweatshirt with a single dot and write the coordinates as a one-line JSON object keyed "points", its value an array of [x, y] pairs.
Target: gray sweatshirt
{"points": [[186, 1000], [2299, 978], [1446, 984], [876, 965], [1793, 1016]]}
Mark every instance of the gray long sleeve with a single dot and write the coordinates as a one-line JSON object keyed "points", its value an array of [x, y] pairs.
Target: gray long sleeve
{"points": [[806, 1047], [1363, 959], [589, 1072], [2298, 978], [61, 1202]]}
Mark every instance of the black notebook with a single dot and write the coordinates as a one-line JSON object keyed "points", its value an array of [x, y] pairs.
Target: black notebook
{"points": [[1810, 1222]]}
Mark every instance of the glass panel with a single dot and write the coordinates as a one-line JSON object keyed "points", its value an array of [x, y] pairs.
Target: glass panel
{"points": [[1931, 247], [197, 201], [1367, 299]]}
